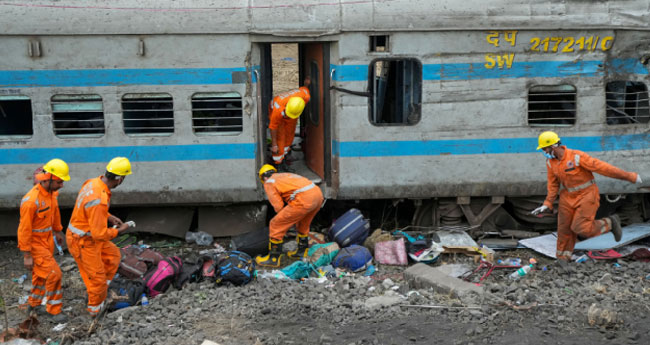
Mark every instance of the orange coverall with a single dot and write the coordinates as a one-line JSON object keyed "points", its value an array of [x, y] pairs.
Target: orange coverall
{"points": [[39, 216], [89, 241], [303, 199], [285, 126], [579, 198]]}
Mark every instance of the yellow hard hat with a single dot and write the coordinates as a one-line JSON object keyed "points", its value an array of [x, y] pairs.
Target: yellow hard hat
{"points": [[58, 168], [294, 108], [265, 168], [547, 139], [119, 166]]}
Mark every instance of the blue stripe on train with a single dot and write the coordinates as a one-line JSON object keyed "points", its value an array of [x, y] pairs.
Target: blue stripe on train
{"points": [[483, 146], [134, 153], [526, 69], [118, 77]]}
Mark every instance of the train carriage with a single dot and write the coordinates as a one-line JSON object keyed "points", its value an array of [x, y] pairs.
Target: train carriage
{"points": [[439, 103]]}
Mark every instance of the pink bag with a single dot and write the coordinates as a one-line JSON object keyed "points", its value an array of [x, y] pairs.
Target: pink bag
{"points": [[391, 253], [160, 277]]}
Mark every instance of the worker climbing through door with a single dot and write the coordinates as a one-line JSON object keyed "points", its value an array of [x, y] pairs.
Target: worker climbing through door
{"points": [[570, 173], [40, 225], [296, 200], [284, 111], [89, 238]]}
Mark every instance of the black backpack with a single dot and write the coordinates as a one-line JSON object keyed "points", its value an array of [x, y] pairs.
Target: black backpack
{"points": [[235, 268], [191, 272], [130, 288]]}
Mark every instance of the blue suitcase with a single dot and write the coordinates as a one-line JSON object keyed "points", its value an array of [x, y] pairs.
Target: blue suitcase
{"points": [[351, 228]]}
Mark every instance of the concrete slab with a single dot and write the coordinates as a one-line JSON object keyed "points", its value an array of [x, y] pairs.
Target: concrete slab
{"points": [[421, 276], [631, 233]]}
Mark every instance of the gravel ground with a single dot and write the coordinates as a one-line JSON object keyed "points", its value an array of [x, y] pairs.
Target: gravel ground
{"points": [[548, 306]]}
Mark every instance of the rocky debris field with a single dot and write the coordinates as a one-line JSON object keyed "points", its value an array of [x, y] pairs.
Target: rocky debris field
{"points": [[604, 302]]}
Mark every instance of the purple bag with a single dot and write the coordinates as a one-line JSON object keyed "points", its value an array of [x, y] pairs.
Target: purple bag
{"points": [[159, 278]]}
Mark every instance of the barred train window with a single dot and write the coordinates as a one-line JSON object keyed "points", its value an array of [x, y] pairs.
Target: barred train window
{"points": [[148, 113], [552, 105], [396, 94], [16, 116], [627, 102], [217, 112], [77, 115]]}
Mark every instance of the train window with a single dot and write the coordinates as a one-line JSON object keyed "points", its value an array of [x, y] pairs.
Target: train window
{"points": [[16, 116], [552, 105], [148, 113], [77, 115], [314, 91], [396, 92], [379, 43], [217, 113], [627, 102]]}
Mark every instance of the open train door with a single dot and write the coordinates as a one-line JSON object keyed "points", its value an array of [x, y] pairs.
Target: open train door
{"points": [[314, 62]]}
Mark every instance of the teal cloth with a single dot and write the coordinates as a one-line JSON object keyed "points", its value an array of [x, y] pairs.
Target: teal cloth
{"points": [[297, 270], [325, 259]]}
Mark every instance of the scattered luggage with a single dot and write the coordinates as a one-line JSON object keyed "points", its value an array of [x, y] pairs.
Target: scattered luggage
{"points": [[355, 258], [131, 288], [252, 243], [350, 228], [137, 261], [234, 267], [190, 273], [158, 279]]}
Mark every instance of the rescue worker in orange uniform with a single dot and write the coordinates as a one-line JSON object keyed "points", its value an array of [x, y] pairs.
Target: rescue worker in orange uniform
{"points": [[570, 173], [39, 220], [89, 238], [296, 200], [284, 111]]}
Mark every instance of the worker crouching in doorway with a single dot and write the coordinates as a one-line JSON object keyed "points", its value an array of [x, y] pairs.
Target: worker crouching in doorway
{"points": [[570, 173], [89, 238], [296, 200]]}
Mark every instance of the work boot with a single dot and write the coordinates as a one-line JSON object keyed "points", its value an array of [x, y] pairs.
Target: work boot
{"points": [[303, 248], [58, 318], [38, 310], [616, 227], [283, 167], [273, 258]]}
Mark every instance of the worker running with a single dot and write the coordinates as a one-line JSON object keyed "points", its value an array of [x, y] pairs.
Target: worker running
{"points": [[296, 200], [39, 220], [89, 238], [284, 111], [570, 173]]}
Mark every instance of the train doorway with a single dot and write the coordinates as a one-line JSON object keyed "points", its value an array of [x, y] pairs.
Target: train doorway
{"points": [[285, 67]]}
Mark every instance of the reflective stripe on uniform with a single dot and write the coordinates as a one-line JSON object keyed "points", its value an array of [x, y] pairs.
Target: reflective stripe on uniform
{"points": [[25, 199], [78, 231], [577, 160], [54, 301], [582, 186], [92, 203], [548, 162], [40, 287], [37, 297], [52, 293], [563, 253], [43, 230], [303, 189], [96, 308], [271, 180], [278, 158]]}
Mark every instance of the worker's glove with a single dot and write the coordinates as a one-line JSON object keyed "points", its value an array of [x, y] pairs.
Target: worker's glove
{"points": [[539, 210], [638, 179]]}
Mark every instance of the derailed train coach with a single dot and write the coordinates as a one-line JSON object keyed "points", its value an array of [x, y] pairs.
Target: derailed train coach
{"points": [[436, 104]]}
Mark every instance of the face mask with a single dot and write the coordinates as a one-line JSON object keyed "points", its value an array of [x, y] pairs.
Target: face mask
{"points": [[549, 155]]}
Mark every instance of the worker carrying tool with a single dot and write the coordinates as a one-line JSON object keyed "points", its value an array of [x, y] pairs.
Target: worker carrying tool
{"points": [[284, 111], [296, 200], [89, 238], [570, 173], [40, 225]]}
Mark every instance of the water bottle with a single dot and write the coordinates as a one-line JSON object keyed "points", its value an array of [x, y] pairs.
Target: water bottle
{"points": [[21, 279], [523, 271], [145, 300]]}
